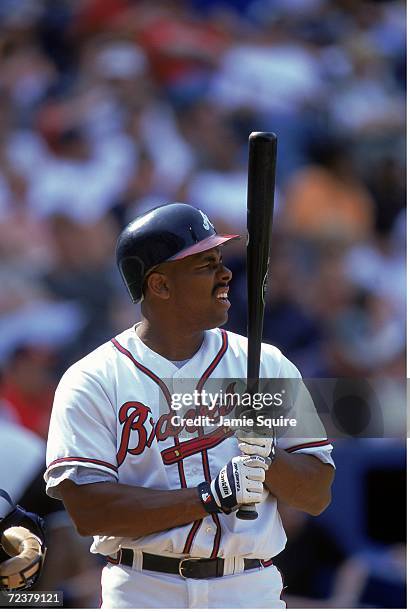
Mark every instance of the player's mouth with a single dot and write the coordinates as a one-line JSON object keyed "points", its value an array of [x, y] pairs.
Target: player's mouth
{"points": [[221, 295]]}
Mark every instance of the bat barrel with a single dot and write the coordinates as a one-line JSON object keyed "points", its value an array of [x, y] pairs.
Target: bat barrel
{"points": [[261, 187]]}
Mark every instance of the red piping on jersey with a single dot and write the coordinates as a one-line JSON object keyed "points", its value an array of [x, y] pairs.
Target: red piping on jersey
{"points": [[267, 563], [192, 533], [292, 449], [215, 361], [164, 390], [84, 460], [205, 462], [217, 538], [143, 369]]}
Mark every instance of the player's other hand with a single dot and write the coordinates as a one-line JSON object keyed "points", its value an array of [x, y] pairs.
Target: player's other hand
{"points": [[239, 482], [253, 445]]}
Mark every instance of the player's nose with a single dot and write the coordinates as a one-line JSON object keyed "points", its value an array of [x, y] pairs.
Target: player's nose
{"points": [[224, 274]]}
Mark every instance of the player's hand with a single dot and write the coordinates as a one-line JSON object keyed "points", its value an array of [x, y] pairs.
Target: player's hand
{"points": [[239, 482], [248, 445]]}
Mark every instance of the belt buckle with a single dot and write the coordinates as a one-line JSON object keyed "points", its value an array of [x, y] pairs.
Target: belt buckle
{"points": [[181, 564]]}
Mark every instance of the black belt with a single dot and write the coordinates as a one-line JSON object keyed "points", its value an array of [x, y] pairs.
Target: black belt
{"points": [[193, 567]]}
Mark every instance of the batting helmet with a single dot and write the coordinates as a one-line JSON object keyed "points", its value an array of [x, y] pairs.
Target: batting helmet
{"points": [[165, 233]]}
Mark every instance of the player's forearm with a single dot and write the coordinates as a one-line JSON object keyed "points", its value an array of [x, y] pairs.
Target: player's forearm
{"points": [[115, 509], [301, 481]]}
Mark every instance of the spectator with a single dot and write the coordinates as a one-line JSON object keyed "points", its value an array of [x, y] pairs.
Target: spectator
{"points": [[28, 387], [327, 201]]}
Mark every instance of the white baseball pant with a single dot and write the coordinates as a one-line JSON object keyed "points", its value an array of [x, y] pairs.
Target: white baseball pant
{"points": [[123, 587]]}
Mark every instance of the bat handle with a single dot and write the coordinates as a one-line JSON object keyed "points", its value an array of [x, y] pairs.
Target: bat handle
{"points": [[247, 512]]}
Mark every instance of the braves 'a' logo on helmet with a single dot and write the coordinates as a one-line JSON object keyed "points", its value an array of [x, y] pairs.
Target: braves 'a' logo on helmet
{"points": [[206, 224]]}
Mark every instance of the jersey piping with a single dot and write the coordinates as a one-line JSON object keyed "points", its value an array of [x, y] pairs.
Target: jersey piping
{"points": [[105, 464], [164, 390], [204, 454], [205, 463], [318, 443]]}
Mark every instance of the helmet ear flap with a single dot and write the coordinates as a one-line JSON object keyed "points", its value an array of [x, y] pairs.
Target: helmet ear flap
{"points": [[133, 273]]}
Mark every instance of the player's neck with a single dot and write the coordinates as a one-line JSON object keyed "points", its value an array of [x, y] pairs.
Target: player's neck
{"points": [[171, 344]]}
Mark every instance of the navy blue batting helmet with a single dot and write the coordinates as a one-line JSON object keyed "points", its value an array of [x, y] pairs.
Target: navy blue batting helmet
{"points": [[165, 233]]}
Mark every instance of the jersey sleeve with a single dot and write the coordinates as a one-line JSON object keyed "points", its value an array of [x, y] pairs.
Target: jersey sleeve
{"points": [[307, 433], [78, 474], [82, 426]]}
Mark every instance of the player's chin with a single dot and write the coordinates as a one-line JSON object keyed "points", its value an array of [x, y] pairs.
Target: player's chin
{"points": [[220, 314], [222, 305]]}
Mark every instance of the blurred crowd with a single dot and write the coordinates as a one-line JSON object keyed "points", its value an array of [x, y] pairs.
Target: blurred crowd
{"points": [[111, 107]]}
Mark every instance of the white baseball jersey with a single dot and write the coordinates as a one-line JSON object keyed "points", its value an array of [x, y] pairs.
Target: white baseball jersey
{"points": [[111, 415]]}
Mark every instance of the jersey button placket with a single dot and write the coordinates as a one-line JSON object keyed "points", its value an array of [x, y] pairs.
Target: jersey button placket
{"points": [[210, 527]]}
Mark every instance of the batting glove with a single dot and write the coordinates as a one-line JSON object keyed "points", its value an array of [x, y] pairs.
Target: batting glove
{"points": [[239, 482], [264, 447]]}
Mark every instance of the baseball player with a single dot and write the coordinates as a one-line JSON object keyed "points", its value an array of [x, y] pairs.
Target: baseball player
{"points": [[160, 499]]}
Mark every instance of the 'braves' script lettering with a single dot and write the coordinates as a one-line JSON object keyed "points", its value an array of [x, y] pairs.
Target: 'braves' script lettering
{"points": [[133, 415]]}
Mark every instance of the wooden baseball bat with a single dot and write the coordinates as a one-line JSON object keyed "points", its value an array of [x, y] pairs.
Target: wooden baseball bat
{"points": [[261, 189]]}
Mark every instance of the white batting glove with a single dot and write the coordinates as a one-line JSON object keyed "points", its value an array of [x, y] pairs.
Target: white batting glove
{"points": [[239, 482], [265, 447]]}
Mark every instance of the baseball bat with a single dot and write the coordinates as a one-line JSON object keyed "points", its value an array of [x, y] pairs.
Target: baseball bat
{"points": [[261, 189]]}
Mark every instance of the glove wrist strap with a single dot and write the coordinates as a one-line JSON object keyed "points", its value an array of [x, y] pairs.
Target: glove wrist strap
{"points": [[207, 499]]}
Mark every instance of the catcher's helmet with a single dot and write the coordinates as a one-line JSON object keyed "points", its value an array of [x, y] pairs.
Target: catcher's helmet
{"points": [[165, 233]]}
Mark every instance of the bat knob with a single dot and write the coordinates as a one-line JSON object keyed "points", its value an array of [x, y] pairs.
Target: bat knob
{"points": [[247, 513]]}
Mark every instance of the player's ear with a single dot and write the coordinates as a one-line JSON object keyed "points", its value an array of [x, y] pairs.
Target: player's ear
{"points": [[158, 285]]}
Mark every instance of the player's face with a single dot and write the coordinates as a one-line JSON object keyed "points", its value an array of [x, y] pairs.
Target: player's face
{"points": [[198, 289]]}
